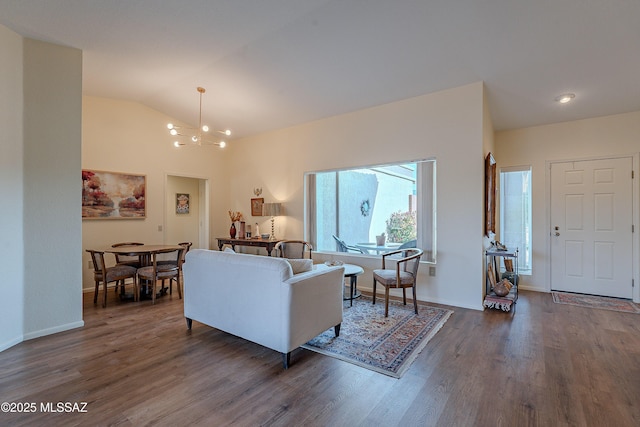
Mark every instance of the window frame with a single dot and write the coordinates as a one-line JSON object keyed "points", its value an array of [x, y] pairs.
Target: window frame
{"points": [[425, 212]]}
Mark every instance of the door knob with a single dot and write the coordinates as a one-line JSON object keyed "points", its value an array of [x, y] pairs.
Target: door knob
{"points": [[557, 234]]}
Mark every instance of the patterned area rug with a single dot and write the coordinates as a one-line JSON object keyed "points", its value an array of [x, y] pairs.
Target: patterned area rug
{"points": [[386, 345], [591, 301]]}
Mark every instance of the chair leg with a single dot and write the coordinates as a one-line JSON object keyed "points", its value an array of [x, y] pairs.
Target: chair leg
{"points": [[374, 291], [415, 300], [136, 292], [153, 291], [95, 293], [178, 286], [404, 296], [104, 298], [386, 301]]}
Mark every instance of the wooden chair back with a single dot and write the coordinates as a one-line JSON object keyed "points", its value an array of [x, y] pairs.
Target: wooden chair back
{"points": [[293, 249], [124, 259]]}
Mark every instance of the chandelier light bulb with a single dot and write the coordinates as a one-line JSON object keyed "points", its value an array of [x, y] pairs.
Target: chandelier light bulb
{"points": [[170, 126], [205, 128], [173, 132], [565, 97], [223, 144], [176, 144], [227, 132]]}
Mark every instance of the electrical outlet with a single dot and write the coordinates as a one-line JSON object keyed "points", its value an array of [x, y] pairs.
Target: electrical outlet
{"points": [[432, 271]]}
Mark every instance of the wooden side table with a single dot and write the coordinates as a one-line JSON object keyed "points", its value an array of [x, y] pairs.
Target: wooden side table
{"points": [[263, 243]]}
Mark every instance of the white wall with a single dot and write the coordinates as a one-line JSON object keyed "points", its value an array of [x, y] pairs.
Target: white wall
{"points": [[52, 135], [128, 137], [582, 139], [40, 110], [447, 125], [11, 190]]}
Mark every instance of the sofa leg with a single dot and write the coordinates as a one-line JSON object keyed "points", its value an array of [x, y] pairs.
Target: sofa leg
{"points": [[286, 360], [189, 322], [336, 329]]}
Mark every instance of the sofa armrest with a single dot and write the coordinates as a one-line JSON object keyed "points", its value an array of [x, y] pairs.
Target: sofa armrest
{"points": [[314, 303]]}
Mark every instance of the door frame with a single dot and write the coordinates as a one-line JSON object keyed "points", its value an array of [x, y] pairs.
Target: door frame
{"points": [[635, 215], [203, 208]]}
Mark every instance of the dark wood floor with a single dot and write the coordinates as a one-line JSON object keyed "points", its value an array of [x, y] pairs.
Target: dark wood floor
{"points": [[136, 364]]}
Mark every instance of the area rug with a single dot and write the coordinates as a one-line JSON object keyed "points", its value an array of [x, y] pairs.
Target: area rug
{"points": [[385, 345], [592, 301]]}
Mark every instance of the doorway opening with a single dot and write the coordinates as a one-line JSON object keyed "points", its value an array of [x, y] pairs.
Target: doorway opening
{"points": [[186, 213]]}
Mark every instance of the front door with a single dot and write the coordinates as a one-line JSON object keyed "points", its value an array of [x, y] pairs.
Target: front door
{"points": [[591, 227]]}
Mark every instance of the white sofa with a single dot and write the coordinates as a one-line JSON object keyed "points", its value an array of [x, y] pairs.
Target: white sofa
{"points": [[259, 298]]}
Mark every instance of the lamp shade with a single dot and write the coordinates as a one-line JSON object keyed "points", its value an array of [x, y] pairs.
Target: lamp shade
{"points": [[272, 209]]}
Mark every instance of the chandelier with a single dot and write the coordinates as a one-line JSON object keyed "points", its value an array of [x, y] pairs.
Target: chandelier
{"points": [[199, 135]]}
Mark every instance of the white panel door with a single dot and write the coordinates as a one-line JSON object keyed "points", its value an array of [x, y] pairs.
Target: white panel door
{"points": [[591, 220]]}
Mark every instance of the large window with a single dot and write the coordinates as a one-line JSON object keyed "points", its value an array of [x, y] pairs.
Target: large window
{"points": [[346, 210], [515, 213]]}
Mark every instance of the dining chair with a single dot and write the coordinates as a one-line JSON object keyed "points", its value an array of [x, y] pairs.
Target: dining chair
{"points": [[341, 246], [187, 246], [403, 276], [293, 249], [162, 271], [408, 244], [133, 261], [117, 273]]}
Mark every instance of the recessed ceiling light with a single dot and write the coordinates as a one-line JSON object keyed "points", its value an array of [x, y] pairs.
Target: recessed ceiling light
{"points": [[565, 97]]}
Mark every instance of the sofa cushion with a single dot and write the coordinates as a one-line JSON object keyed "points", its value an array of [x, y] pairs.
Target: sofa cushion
{"points": [[300, 265]]}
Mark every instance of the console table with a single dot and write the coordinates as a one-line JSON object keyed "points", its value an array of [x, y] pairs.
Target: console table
{"points": [[262, 243]]}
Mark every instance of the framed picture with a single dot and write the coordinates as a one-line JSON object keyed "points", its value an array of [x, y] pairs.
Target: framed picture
{"points": [[490, 195], [182, 203], [256, 206], [113, 195]]}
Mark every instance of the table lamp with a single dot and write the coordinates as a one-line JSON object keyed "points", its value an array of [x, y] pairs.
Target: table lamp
{"points": [[273, 210]]}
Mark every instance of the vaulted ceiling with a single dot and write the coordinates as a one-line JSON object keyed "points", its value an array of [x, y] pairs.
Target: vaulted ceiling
{"points": [[276, 63]]}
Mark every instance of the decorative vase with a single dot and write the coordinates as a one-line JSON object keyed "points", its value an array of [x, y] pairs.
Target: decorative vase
{"points": [[232, 231], [502, 289], [242, 230]]}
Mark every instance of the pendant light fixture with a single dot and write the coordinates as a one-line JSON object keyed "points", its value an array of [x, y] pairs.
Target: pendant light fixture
{"points": [[199, 135]]}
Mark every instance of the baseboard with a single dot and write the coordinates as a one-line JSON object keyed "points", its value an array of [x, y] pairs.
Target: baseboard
{"points": [[11, 343], [54, 330], [533, 289], [369, 292]]}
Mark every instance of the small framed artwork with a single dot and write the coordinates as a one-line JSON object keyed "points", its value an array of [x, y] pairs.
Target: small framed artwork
{"points": [[182, 203], [113, 195], [256, 206]]}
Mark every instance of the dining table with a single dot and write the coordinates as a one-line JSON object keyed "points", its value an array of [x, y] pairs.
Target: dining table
{"points": [[145, 254], [369, 248]]}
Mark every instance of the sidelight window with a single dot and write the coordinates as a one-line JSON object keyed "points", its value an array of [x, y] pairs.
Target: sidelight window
{"points": [[515, 213]]}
